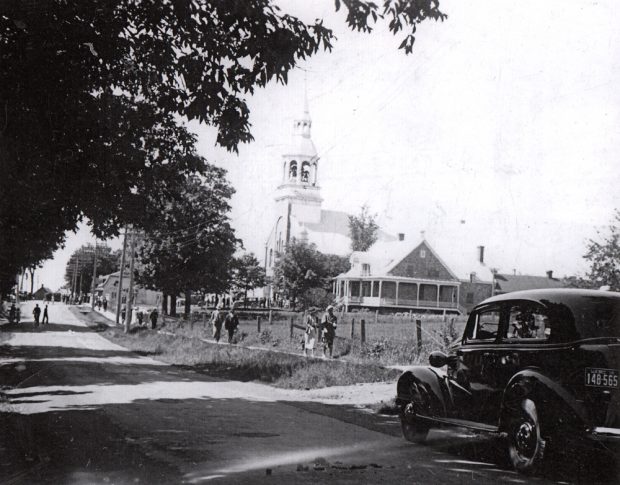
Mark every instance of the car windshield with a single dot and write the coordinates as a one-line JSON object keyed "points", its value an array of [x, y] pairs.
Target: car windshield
{"points": [[594, 316]]}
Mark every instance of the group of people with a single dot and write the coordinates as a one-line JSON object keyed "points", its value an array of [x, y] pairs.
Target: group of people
{"points": [[36, 313], [323, 330], [230, 322], [102, 303]]}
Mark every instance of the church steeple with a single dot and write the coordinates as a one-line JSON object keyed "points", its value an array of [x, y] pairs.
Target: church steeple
{"points": [[300, 182]]}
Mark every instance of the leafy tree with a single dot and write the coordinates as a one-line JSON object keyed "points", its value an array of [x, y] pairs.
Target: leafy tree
{"points": [[191, 246], [298, 269], [363, 230], [604, 256], [316, 297], [91, 94], [248, 274], [81, 264], [335, 265]]}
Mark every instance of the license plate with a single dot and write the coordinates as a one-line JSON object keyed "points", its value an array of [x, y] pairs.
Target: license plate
{"points": [[602, 377]]}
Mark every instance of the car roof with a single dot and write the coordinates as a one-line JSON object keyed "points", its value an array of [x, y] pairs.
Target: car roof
{"points": [[551, 294]]}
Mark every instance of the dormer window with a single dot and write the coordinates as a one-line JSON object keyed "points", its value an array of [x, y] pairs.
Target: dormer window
{"points": [[365, 269]]}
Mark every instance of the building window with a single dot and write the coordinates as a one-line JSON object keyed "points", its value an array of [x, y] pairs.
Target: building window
{"points": [[423, 253], [292, 171]]}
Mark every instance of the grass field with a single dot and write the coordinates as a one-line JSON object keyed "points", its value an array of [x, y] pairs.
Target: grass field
{"points": [[389, 341], [271, 355]]}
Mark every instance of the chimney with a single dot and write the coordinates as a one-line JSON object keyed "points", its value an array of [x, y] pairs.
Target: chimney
{"points": [[481, 254], [550, 274], [401, 236]]}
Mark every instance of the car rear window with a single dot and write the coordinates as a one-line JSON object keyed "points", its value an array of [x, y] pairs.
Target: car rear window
{"points": [[594, 316]]}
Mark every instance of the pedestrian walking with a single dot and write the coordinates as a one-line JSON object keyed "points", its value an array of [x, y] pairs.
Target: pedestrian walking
{"points": [[46, 318], [231, 323], [37, 314], [139, 316], [123, 313], [217, 320], [329, 323], [105, 304], [153, 318], [13, 314], [312, 325]]}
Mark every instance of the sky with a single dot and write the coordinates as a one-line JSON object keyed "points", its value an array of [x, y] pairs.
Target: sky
{"points": [[500, 129]]}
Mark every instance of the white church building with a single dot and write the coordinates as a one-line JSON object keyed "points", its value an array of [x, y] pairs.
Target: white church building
{"points": [[299, 205]]}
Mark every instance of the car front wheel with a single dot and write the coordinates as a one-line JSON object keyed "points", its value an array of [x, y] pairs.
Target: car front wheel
{"points": [[414, 428], [526, 447]]}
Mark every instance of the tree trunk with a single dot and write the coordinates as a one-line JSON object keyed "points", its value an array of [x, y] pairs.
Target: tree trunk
{"points": [[164, 304], [31, 271], [188, 303], [173, 306]]}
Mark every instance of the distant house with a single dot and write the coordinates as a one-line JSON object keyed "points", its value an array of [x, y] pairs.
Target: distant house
{"points": [[42, 293], [396, 276], [108, 287], [505, 283]]}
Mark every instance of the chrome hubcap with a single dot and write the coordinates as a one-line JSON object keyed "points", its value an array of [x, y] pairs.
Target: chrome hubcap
{"points": [[525, 437]]}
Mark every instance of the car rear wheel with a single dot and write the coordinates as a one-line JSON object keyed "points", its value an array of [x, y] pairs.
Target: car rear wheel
{"points": [[526, 447], [414, 428]]}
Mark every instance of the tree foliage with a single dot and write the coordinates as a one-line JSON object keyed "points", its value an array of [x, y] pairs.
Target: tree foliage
{"points": [[81, 263], [191, 246], [248, 273], [93, 94], [302, 267], [604, 256], [363, 230]]}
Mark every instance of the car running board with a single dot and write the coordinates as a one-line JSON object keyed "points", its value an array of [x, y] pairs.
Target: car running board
{"points": [[463, 423]]}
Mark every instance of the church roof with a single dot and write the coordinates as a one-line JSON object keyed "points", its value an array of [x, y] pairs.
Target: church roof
{"points": [[300, 146], [331, 221]]}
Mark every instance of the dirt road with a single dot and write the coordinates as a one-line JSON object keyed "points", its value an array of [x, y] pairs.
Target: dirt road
{"points": [[79, 409]]}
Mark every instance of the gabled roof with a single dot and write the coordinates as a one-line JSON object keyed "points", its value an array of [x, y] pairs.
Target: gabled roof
{"points": [[506, 283], [384, 256], [45, 289]]}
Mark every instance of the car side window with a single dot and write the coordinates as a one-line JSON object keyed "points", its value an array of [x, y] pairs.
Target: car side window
{"points": [[486, 325], [528, 322]]}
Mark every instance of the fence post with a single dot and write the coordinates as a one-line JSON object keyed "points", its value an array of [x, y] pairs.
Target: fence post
{"points": [[418, 331], [292, 323], [270, 317], [376, 316], [410, 316], [191, 321], [352, 327], [258, 323], [204, 320], [363, 330]]}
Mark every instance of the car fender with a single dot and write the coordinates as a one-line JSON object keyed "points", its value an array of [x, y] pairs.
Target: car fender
{"points": [[557, 406], [422, 383]]}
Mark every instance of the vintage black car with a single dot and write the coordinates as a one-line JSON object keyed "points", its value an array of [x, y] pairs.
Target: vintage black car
{"points": [[536, 367]]}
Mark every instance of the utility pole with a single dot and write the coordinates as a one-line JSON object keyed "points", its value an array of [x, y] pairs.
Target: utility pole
{"points": [[75, 272], [92, 293], [130, 294], [119, 296]]}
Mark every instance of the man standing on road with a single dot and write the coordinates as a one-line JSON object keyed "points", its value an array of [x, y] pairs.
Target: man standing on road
{"points": [[46, 318], [328, 327], [36, 313], [231, 323]]}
